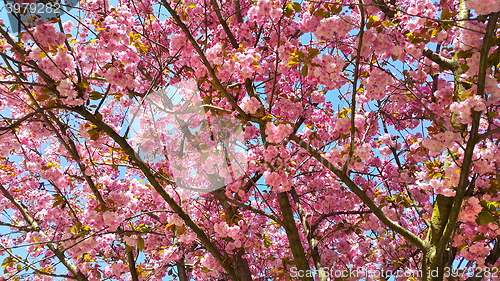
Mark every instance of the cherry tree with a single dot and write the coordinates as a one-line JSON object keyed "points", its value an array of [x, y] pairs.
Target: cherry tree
{"points": [[364, 136]]}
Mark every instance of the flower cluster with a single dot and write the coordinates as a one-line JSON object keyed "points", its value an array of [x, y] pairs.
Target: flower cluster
{"points": [[440, 142], [471, 210], [277, 180], [250, 105], [66, 89], [333, 26], [463, 109], [276, 134], [264, 9], [483, 7]]}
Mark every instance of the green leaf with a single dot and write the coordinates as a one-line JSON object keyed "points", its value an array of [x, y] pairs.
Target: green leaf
{"points": [[57, 203], [102, 208], [180, 230], [461, 247], [388, 24], [204, 156], [479, 237], [321, 13], [434, 32], [46, 92], [192, 5], [140, 243], [43, 97], [305, 70], [95, 95], [94, 134], [336, 8], [293, 61], [445, 14], [464, 67], [494, 58], [143, 48], [8, 261], [288, 11], [296, 6], [312, 53], [267, 242], [417, 40], [83, 85], [484, 217], [490, 206], [128, 248], [464, 54], [492, 114]]}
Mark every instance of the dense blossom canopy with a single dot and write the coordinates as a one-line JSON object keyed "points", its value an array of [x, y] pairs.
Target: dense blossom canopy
{"points": [[367, 136]]}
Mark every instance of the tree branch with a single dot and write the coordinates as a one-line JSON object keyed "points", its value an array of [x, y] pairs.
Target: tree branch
{"points": [[53, 247], [122, 142], [217, 84], [131, 265], [224, 24], [293, 235], [237, 10], [26, 117], [361, 194], [468, 154], [384, 8], [355, 85], [440, 60], [324, 216], [487, 134], [313, 243]]}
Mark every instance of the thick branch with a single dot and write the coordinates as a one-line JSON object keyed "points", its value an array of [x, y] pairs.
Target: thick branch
{"points": [[122, 142], [384, 8], [361, 194], [26, 117], [324, 216], [313, 243], [237, 10], [224, 24], [440, 60], [181, 270], [293, 235], [487, 134], [131, 265], [471, 143]]}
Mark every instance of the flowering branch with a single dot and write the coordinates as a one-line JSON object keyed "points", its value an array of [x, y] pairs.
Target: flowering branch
{"points": [[34, 225], [362, 195]]}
